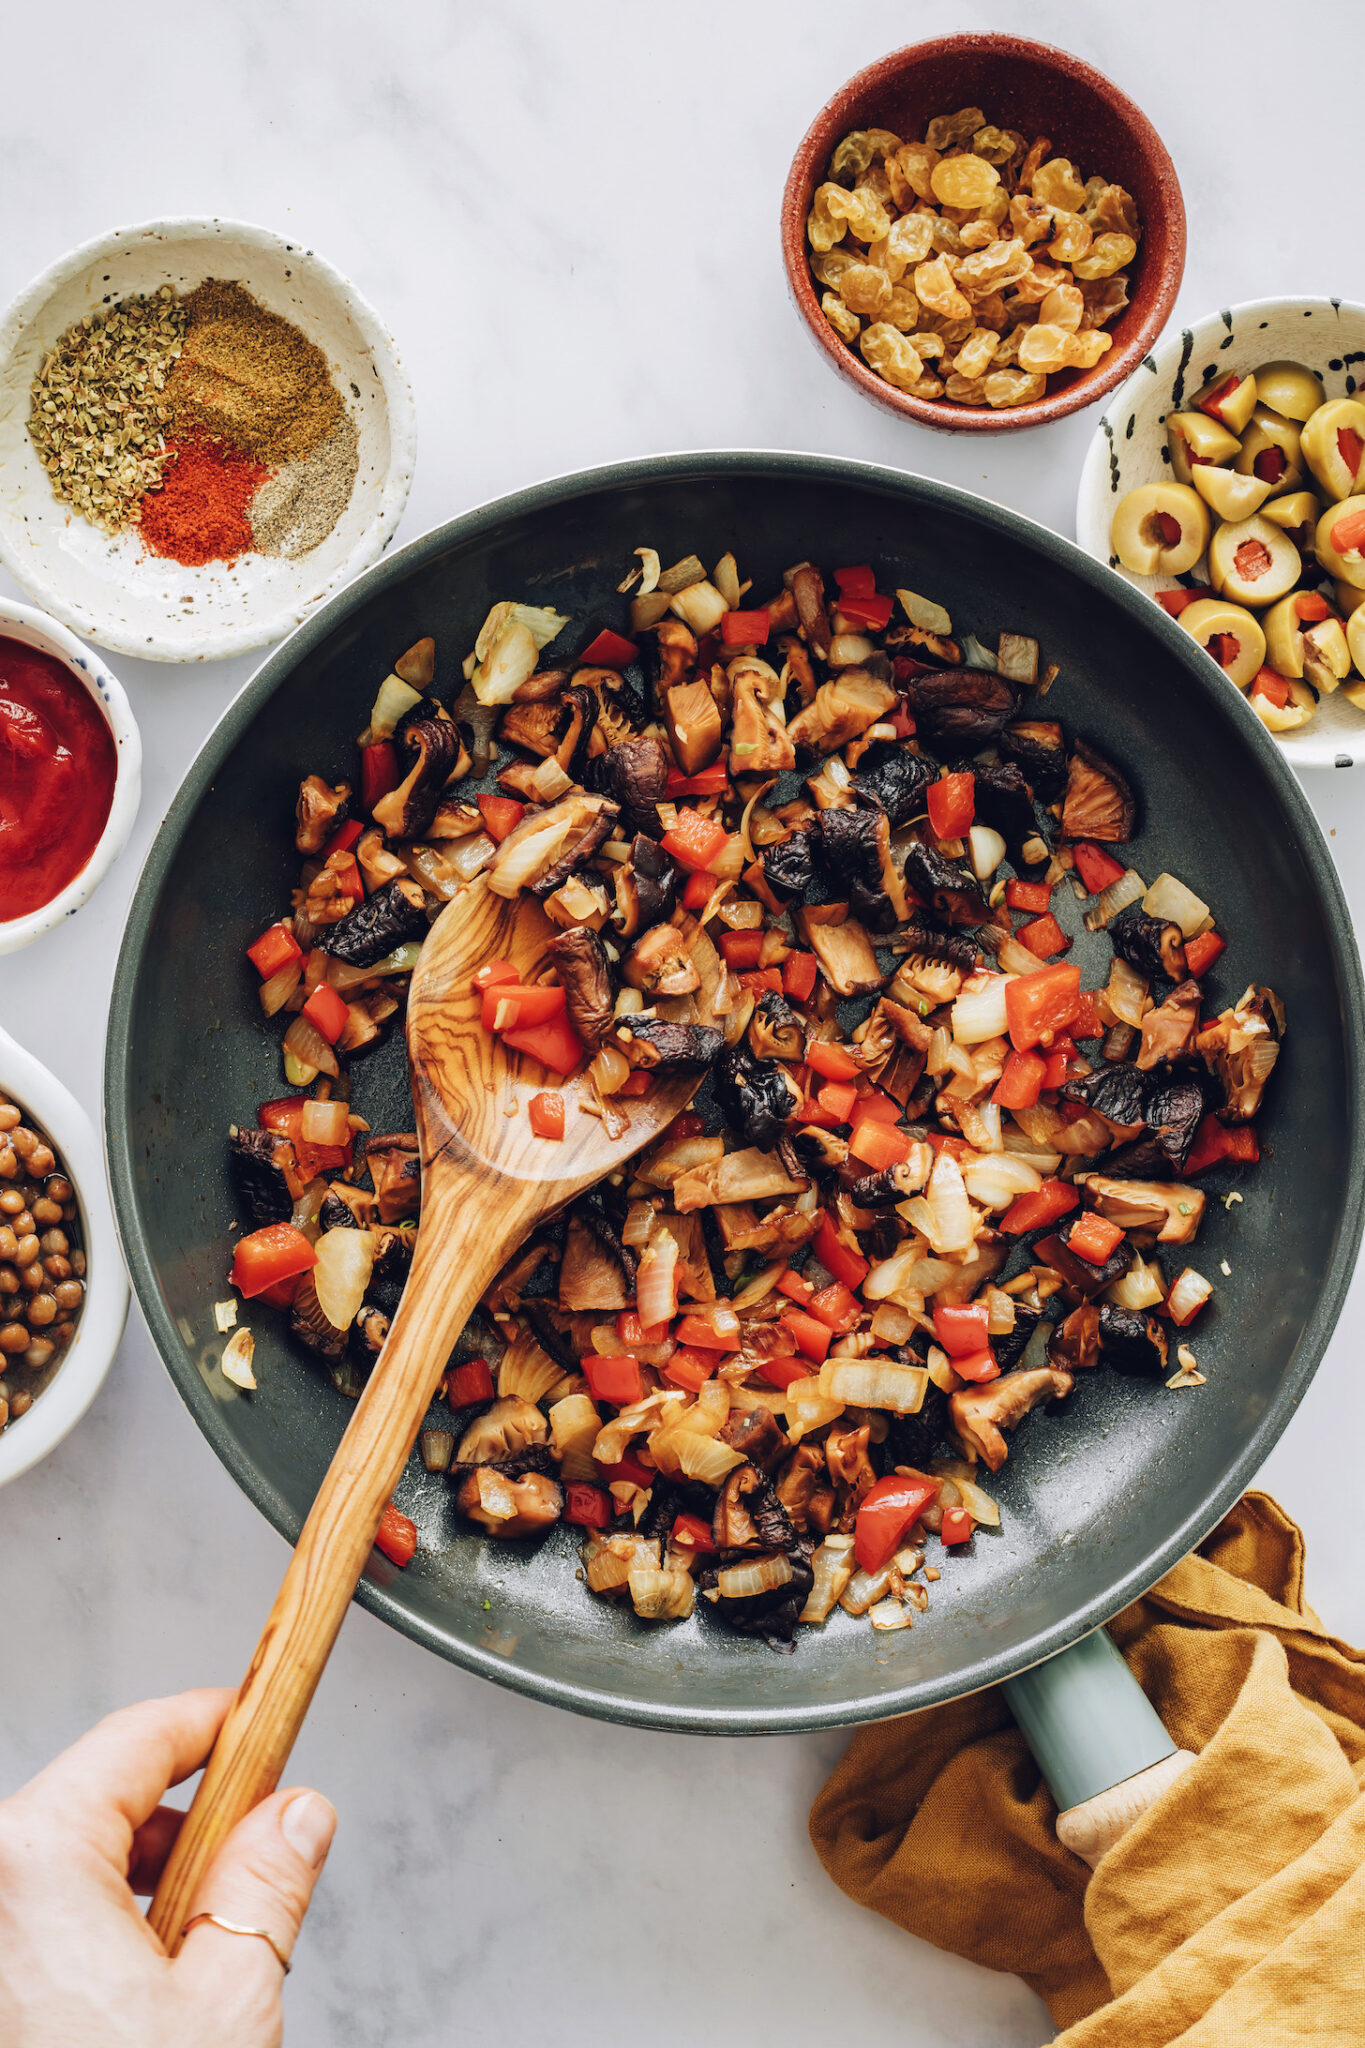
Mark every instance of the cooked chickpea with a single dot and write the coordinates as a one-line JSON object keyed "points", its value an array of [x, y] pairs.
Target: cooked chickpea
{"points": [[11, 1202], [41, 1283], [9, 1116], [1230, 634], [9, 1280], [45, 1210], [1292, 391], [55, 1241], [69, 1294], [42, 1310], [1160, 529], [27, 1252], [1252, 561], [13, 1338], [1231, 496], [59, 1188], [30, 1278], [40, 1353], [21, 1404], [41, 1160]]}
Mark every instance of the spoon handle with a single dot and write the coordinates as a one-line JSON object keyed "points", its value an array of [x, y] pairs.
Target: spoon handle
{"points": [[456, 1255]]}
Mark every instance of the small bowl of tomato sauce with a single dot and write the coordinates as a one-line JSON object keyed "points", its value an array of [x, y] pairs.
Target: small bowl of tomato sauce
{"points": [[70, 773]]}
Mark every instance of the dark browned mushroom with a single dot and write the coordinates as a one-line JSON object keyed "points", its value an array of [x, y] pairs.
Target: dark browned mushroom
{"points": [[949, 887], [1168, 1032], [807, 586], [1083, 1277], [535, 726], [258, 1160], [653, 1043], [677, 650], [1004, 801], [395, 1167], [895, 778], [312, 1328], [634, 775], [1075, 1343], [1151, 944], [980, 1413], [501, 1431], [585, 976], [756, 1097], [806, 1491], [438, 754], [1039, 746], [347, 1208], [543, 850], [757, 1435], [1129, 1338], [1174, 1209], [842, 947], [646, 887], [775, 1031], [788, 865], [318, 812], [886, 1187], [509, 1508], [385, 920], [579, 711], [659, 963], [1172, 1109], [1241, 1048], [960, 709], [1098, 803]]}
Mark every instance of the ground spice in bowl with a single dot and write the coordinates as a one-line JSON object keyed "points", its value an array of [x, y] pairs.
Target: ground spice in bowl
{"points": [[207, 422]]}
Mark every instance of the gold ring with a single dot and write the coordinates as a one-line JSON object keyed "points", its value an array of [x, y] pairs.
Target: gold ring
{"points": [[231, 1927]]}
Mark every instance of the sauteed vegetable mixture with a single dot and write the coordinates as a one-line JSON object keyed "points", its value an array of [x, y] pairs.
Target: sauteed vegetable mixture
{"points": [[828, 852]]}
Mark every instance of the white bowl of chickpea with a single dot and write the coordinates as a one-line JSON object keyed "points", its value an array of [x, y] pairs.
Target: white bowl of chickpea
{"points": [[63, 1289]]}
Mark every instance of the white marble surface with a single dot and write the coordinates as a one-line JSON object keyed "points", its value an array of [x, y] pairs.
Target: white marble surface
{"points": [[568, 216]]}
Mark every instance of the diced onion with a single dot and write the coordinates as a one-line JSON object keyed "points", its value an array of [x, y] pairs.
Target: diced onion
{"points": [[325, 1123], [986, 850], [1129, 993], [833, 1568], [1014, 958], [609, 1560], [701, 607], [395, 699], [979, 1012], [469, 856], [849, 650], [875, 1383], [276, 990], [979, 1123], [700, 1457], [725, 576], [342, 1273], [683, 574], [1115, 898], [526, 1370], [1173, 903], [979, 1505], [951, 1211], [660, 1595], [238, 1353], [864, 1588], [438, 1448], [993, 1183], [1018, 658], [610, 1070], [550, 780], [924, 613], [1140, 1287], [309, 1048], [574, 1425], [892, 1324], [1188, 1295], [888, 1614], [761, 1575]]}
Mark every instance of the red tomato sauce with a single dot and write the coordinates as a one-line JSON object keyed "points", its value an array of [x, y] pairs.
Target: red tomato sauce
{"points": [[57, 769]]}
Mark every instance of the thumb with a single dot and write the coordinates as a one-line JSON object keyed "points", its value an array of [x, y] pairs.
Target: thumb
{"points": [[261, 1879]]}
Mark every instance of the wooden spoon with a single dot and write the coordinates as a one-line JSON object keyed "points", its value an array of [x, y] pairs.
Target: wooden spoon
{"points": [[486, 1183]]}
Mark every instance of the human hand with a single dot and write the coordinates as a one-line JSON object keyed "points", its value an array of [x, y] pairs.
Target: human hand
{"points": [[79, 1965]]}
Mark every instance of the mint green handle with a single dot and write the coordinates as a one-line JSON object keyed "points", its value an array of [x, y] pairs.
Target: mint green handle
{"points": [[1087, 1720]]}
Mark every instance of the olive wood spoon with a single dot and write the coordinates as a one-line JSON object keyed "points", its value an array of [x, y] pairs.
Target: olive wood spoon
{"points": [[486, 1183]]}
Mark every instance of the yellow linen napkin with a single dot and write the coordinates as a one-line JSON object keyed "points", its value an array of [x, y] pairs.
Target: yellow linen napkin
{"points": [[1233, 1912]]}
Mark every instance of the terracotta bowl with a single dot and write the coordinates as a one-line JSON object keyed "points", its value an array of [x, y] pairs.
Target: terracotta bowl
{"points": [[1039, 91]]}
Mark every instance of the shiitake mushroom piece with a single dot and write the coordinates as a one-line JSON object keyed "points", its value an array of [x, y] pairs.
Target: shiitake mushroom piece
{"points": [[949, 887], [756, 1097], [634, 775], [1153, 945], [895, 778], [377, 926], [789, 865], [960, 708], [661, 1046], [1039, 747], [1099, 804], [1131, 1339], [256, 1160]]}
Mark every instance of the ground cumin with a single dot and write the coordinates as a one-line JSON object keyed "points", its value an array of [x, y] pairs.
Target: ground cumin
{"points": [[250, 378]]}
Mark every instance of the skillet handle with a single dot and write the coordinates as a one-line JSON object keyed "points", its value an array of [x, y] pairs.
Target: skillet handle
{"points": [[1098, 1742]]}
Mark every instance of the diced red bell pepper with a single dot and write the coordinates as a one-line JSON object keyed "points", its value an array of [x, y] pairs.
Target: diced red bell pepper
{"points": [[587, 1507], [813, 1338], [1043, 936], [1039, 1004], [520, 1006], [1350, 448], [1021, 1083], [798, 976], [1213, 1142], [491, 971], [555, 1044], [837, 1307], [837, 1098], [1088, 1023], [697, 891], [888, 1510], [1062, 1064], [956, 1527], [951, 804], [1201, 952], [745, 629], [762, 980], [501, 814], [396, 1535], [275, 948], [546, 1112], [349, 880], [701, 1331], [1310, 605], [281, 1295], [470, 1380], [629, 1471], [343, 839], [638, 1084], [873, 612], [608, 650], [712, 781], [1031, 896], [693, 1532], [741, 949], [1096, 868], [796, 1287], [902, 723], [379, 774], [1044, 1205], [1175, 601], [326, 1011], [834, 1062], [632, 1331], [617, 1379], [266, 1256], [941, 1141], [694, 841], [782, 1372], [961, 1331], [879, 1145], [859, 581], [977, 1365], [690, 1367], [1094, 1238], [838, 1261], [1268, 683], [285, 1117]]}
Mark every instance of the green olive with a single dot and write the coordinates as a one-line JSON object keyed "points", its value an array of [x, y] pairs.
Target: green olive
{"points": [[1210, 618], [1289, 389], [1334, 446], [1194, 433], [1231, 496], [1344, 563], [1230, 401], [1348, 596], [1297, 512], [1354, 693], [1266, 438], [1326, 654], [1285, 717], [1252, 561], [1160, 529], [1355, 641], [1283, 631]]}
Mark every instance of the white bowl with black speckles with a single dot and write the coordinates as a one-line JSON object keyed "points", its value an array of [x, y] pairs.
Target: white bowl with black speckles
{"points": [[1129, 448], [108, 587], [20, 622]]}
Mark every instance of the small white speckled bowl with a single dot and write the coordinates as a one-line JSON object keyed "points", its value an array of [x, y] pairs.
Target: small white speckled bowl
{"points": [[110, 588], [34, 629], [1129, 448], [80, 1374]]}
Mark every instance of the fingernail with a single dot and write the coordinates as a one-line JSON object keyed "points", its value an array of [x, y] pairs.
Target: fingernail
{"points": [[308, 1824]]}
